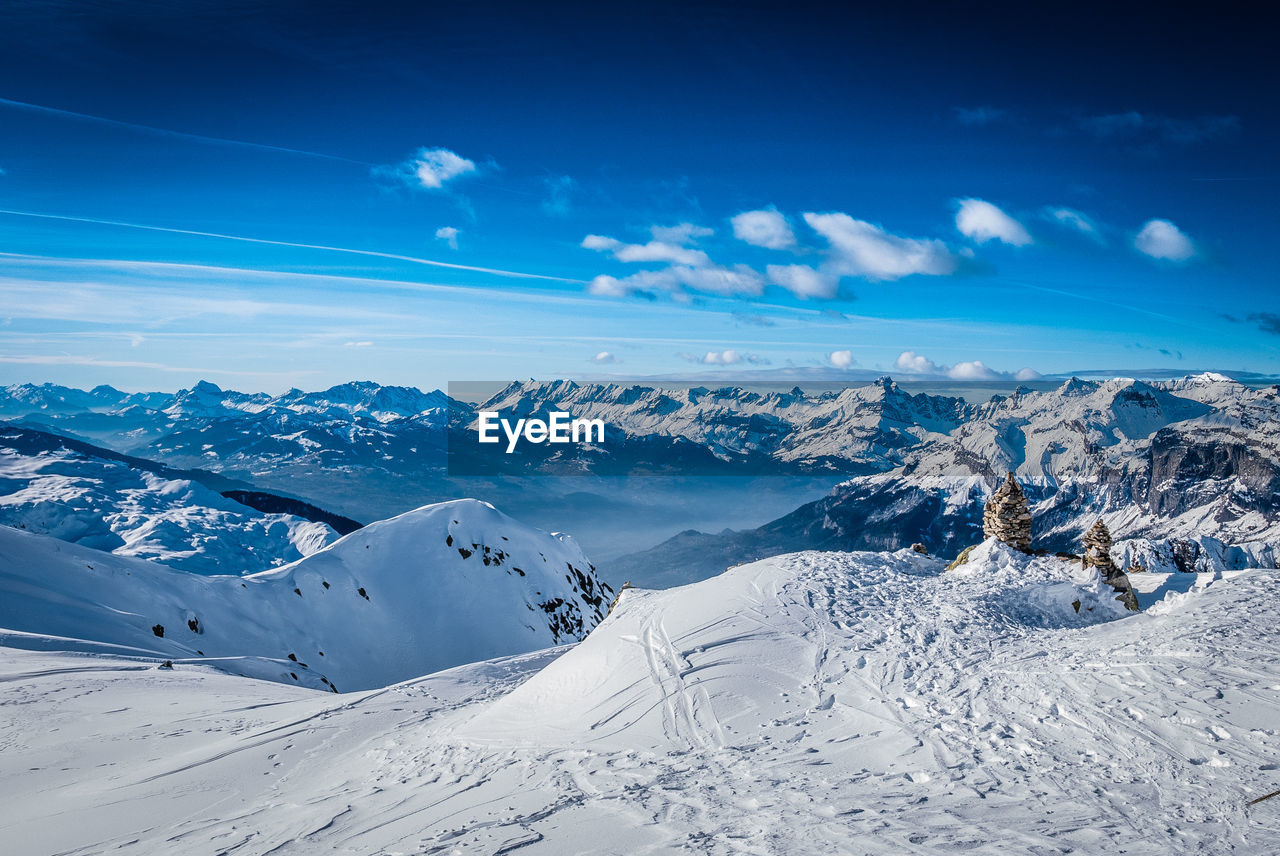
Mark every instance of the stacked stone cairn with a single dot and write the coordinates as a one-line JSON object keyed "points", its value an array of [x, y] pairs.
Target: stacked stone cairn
{"points": [[1097, 554], [1006, 516], [1097, 550]]}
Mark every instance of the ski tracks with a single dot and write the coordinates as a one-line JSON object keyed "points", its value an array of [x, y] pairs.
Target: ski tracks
{"points": [[688, 717]]}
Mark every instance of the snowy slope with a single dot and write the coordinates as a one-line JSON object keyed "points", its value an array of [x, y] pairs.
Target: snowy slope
{"points": [[446, 584], [98, 500], [812, 703]]}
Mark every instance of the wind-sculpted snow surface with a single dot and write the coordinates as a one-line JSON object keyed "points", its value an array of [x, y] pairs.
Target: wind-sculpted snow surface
{"points": [[811, 703], [447, 584]]}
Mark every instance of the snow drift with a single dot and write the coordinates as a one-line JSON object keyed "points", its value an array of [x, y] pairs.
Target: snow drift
{"points": [[810, 703]]}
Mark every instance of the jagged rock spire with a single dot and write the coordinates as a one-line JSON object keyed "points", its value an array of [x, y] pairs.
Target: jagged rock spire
{"points": [[1006, 516]]}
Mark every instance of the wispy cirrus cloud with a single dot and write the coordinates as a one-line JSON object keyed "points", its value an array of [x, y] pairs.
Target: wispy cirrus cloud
{"points": [[168, 132], [559, 199], [1134, 126], [1073, 219], [267, 242], [979, 116], [98, 362]]}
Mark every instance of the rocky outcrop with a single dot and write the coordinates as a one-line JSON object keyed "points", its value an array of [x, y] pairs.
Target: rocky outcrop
{"points": [[1006, 516]]}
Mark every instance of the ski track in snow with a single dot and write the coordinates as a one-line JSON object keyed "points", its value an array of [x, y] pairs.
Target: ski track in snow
{"points": [[823, 703]]}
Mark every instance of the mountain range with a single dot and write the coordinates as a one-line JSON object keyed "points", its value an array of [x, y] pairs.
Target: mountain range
{"points": [[1193, 459]]}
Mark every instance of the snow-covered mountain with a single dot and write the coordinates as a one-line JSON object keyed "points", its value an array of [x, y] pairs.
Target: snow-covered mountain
{"points": [[443, 585], [360, 449], [131, 507], [351, 424], [812, 703], [1189, 458], [738, 431], [1180, 461]]}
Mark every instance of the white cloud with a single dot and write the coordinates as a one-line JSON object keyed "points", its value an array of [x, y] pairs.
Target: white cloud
{"points": [[764, 228], [449, 235], [364, 344], [803, 281], [681, 233], [737, 280], [136, 339], [842, 359], [609, 286], [982, 221], [599, 242], [1077, 220], [1074, 219], [723, 358], [728, 357], [909, 362], [862, 249], [654, 251], [1161, 239], [432, 168], [604, 358], [972, 370]]}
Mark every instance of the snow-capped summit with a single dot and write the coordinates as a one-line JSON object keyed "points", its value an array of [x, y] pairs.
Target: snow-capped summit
{"points": [[382, 403], [442, 585]]}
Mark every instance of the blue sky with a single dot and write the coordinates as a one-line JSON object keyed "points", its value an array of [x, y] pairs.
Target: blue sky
{"points": [[271, 195]]}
